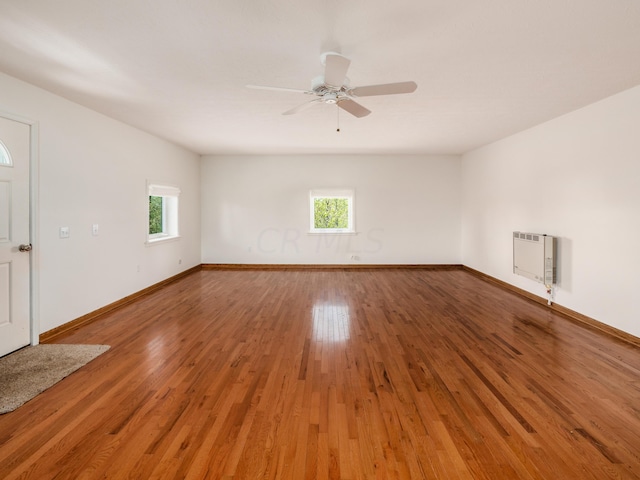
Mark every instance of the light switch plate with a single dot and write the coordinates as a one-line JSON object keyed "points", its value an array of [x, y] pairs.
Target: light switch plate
{"points": [[64, 232]]}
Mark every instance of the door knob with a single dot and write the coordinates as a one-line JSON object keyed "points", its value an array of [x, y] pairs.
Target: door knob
{"points": [[25, 247]]}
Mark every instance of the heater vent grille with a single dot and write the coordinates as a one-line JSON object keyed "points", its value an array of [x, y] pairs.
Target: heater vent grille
{"points": [[534, 257]]}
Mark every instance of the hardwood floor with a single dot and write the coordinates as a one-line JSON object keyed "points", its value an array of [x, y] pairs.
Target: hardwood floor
{"points": [[339, 374]]}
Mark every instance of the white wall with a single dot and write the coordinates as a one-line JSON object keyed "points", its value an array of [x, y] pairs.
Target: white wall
{"points": [[255, 209], [94, 170], [576, 177]]}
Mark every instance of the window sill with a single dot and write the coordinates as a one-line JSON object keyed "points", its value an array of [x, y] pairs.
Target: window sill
{"points": [[333, 233], [158, 240]]}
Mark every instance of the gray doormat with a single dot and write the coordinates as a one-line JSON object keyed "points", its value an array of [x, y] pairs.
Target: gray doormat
{"points": [[31, 370]]}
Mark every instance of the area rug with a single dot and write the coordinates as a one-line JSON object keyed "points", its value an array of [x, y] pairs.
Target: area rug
{"points": [[31, 370]]}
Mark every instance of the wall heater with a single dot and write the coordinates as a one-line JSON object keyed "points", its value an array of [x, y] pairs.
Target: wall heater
{"points": [[534, 256]]}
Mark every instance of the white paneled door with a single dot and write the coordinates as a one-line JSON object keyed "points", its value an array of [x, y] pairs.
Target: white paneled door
{"points": [[14, 236]]}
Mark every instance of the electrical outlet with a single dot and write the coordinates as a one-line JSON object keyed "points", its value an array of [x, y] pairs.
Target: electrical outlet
{"points": [[65, 232], [95, 229]]}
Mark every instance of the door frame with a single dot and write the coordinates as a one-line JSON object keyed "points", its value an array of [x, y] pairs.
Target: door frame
{"points": [[34, 210]]}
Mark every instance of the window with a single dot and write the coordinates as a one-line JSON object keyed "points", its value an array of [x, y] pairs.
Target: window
{"points": [[5, 158], [163, 212], [331, 211]]}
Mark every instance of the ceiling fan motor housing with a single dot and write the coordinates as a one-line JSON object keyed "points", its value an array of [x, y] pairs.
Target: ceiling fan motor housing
{"points": [[329, 93], [330, 98]]}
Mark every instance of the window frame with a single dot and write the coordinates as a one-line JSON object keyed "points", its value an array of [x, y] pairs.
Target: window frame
{"points": [[346, 193], [170, 212]]}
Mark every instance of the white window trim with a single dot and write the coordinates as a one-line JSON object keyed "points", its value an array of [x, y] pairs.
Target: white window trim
{"points": [[348, 193], [170, 212]]}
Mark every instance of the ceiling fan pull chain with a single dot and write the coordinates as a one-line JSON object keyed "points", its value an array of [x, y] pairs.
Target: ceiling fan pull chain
{"points": [[338, 121]]}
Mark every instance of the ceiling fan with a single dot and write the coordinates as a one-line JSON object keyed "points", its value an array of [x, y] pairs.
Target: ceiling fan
{"points": [[333, 88]]}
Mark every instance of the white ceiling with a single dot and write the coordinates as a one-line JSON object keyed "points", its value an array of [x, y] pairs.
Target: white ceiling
{"points": [[178, 68]]}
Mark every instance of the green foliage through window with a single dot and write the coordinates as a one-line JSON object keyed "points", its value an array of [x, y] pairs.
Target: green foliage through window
{"points": [[331, 213], [155, 215]]}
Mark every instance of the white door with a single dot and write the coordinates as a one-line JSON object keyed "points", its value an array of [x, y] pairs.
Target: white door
{"points": [[14, 233]]}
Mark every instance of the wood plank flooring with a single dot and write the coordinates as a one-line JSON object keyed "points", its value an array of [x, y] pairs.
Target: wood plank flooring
{"points": [[361, 374]]}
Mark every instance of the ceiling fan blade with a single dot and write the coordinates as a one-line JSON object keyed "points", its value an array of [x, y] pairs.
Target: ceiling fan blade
{"points": [[335, 70], [353, 108], [384, 89], [279, 89], [304, 106]]}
